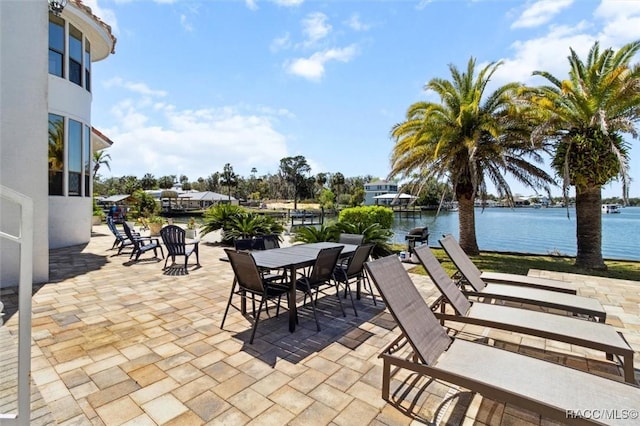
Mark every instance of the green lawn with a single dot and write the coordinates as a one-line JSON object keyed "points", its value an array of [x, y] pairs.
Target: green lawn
{"points": [[521, 263]]}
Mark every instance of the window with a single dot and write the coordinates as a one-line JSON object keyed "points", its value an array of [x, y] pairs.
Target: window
{"points": [[86, 156], [87, 65], [75, 55], [75, 157], [56, 46], [56, 154]]}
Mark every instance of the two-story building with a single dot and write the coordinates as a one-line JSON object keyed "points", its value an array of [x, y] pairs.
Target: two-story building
{"points": [[46, 138], [376, 188]]}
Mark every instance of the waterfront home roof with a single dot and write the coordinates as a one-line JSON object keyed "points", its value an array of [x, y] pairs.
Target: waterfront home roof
{"points": [[380, 182], [116, 198], [391, 195], [106, 27], [98, 140], [205, 196]]}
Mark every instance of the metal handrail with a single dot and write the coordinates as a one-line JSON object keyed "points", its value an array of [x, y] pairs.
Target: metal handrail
{"points": [[24, 237]]}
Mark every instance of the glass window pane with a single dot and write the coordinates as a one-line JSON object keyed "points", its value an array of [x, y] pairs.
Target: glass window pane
{"points": [[87, 65], [75, 43], [74, 156], [56, 153], [56, 33], [75, 72], [55, 63], [86, 154]]}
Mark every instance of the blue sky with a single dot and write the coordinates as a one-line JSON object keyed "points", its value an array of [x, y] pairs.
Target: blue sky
{"points": [[197, 84]]}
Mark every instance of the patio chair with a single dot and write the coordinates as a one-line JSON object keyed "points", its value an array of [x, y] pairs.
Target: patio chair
{"points": [[121, 240], [271, 241], [355, 239], [353, 271], [552, 390], [174, 239], [569, 330], [249, 282], [142, 244], [468, 268], [321, 275], [571, 303]]}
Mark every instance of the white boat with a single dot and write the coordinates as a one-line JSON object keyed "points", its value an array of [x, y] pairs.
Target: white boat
{"points": [[610, 208]]}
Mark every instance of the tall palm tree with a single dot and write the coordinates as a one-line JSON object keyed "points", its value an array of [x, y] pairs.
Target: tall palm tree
{"points": [[100, 158], [584, 117], [467, 138]]}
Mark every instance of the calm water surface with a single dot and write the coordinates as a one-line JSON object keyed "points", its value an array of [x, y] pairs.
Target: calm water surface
{"points": [[528, 230]]}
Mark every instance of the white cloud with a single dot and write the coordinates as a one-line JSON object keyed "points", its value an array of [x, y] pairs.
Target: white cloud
{"points": [[280, 43], [185, 23], [540, 12], [251, 4], [315, 27], [356, 24], [288, 3], [162, 140], [423, 3], [313, 68], [140, 88], [107, 15]]}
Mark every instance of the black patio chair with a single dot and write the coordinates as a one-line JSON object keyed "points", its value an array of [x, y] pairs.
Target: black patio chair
{"points": [[121, 240], [355, 239], [250, 282], [142, 244], [353, 271], [321, 275], [174, 239]]}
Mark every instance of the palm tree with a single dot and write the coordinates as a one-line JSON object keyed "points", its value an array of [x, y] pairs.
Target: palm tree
{"points": [[466, 139], [100, 158], [228, 178], [583, 117]]}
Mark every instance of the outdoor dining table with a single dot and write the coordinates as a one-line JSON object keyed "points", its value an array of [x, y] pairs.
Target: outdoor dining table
{"points": [[293, 258]]}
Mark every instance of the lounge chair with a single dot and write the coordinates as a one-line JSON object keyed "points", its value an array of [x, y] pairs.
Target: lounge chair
{"points": [[570, 303], [552, 390], [121, 241], [468, 268], [142, 244], [174, 239], [548, 326]]}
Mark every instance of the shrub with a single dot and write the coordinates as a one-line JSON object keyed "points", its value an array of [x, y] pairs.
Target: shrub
{"points": [[238, 222], [144, 203], [364, 216], [313, 234]]}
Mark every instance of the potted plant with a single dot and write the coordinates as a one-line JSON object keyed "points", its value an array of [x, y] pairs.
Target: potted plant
{"points": [[98, 214], [191, 228], [155, 225]]}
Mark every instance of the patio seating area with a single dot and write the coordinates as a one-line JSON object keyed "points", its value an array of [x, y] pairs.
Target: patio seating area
{"points": [[120, 342]]}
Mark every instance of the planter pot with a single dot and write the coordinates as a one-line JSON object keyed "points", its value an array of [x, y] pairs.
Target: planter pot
{"points": [[154, 229], [96, 220], [190, 233]]}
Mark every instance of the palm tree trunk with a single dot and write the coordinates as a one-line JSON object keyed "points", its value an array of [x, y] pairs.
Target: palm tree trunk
{"points": [[589, 228], [467, 224]]}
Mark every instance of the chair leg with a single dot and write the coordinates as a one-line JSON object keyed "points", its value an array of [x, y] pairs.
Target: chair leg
{"points": [[256, 319], [233, 288], [348, 287], [337, 285]]}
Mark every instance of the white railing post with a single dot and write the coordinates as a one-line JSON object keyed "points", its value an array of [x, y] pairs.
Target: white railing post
{"points": [[24, 237]]}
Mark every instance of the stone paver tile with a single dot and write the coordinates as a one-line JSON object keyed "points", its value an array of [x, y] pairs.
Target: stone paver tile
{"points": [[44, 375], [343, 378], [141, 420], [271, 383], [208, 405], [221, 371], [65, 408], [83, 390], [308, 381], [53, 391], [316, 413], [109, 377], [275, 415], [135, 351], [194, 388], [331, 396], [233, 385], [390, 415], [250, 402], [291, 399], [370, 394], [357, 412], [185, 373], [119, 411], [104, 364], [148, 374], [104, 396], [164, 408], [231, 417], [188, 418], [256, 368], [154, 390]]}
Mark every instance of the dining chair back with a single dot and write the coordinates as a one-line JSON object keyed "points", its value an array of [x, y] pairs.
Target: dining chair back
{"points": [[174, 239]]}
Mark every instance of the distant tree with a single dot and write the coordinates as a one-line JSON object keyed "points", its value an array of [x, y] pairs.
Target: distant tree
{"points": [[166, 182], [100, 158], [337, 184], [213, 182], [327, 199], [186, 186], [293, 170], [321, 181], [129, 184], [148, 181], [228, 178], [357, 198], [183, 179]]}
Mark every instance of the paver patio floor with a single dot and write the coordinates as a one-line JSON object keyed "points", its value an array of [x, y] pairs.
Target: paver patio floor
{"points": [[124, 343]]}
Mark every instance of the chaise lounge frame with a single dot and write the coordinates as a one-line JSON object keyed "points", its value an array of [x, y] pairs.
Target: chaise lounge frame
{"points": [[552, 390], [565, 329]]}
